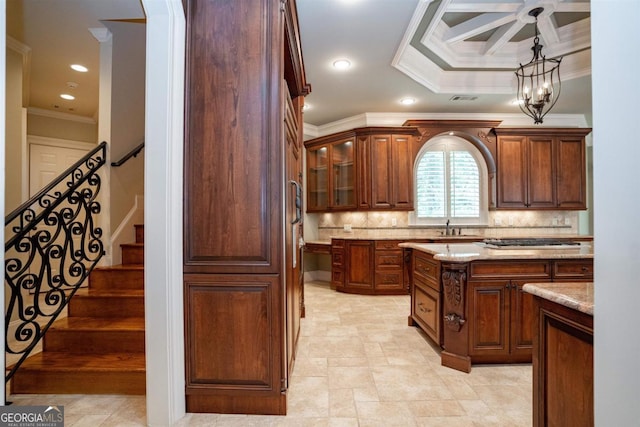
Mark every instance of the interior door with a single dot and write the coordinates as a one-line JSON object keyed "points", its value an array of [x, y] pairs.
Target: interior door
{"points": [[46, 163]]}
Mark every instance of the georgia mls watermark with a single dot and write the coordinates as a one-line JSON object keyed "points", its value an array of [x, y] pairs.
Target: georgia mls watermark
{"points": [[31, 416]]}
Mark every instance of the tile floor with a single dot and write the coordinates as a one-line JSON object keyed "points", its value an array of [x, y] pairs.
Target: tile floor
{"points": [[358, 364]]}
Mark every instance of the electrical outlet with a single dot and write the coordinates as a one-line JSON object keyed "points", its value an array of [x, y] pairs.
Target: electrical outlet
{"points": [[347, 228], [567, 220], [510, 221], [394, 222], [497, 221], [554, 221]]}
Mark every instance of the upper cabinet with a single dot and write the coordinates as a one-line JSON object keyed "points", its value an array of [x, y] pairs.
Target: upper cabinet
{"points": [[331, 171], [541, 168], [365, 168]]}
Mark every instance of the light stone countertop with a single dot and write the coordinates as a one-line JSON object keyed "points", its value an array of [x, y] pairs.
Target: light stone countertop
{"points": [[466, 252], [575, 295]]}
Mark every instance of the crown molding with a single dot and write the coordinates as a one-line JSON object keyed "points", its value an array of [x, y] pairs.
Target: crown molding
{"points": [[60, 116], [397, 119]]}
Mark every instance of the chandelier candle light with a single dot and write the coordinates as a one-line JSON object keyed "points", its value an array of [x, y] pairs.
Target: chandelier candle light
{"points": [[538, 80]]}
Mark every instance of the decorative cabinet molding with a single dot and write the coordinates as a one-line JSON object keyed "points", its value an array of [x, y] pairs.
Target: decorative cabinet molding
{"points": [[541, 168]]}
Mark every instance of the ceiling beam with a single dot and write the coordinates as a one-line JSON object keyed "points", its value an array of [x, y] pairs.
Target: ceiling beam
{"points": [[477, 25], [502, 36], [508, 6], [547, 27]]}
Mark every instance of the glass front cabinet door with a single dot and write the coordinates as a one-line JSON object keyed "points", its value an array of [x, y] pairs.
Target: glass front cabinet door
{"points": [[317, 179], [343, 174]]}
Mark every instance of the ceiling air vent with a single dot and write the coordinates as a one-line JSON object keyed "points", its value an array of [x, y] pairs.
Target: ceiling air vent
{"points": [[463, 98]]}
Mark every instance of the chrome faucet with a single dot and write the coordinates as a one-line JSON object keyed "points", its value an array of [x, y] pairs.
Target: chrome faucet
{"points": [[446, 233]]}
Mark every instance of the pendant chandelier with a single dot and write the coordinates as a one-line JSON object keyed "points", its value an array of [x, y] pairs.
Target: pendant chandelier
{"points": [[538, 80]]}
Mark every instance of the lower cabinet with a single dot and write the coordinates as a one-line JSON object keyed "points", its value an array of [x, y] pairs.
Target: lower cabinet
{"points": [[477, 311], [563, 390], [426, 309], [359, 257], [500, 318], [370, 267]]}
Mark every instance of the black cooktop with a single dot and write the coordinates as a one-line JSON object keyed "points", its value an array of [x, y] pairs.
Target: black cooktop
{"points": [[529, 242]]}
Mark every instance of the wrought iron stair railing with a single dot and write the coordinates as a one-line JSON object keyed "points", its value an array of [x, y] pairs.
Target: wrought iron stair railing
{"points": [[53, 243]]}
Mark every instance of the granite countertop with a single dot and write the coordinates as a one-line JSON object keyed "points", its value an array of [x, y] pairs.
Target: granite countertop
{"points": [[466, 252], [575, 295]]}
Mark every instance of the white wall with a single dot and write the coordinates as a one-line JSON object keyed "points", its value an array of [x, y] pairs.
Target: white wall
{"points": [[3, 8], [616, 152]]}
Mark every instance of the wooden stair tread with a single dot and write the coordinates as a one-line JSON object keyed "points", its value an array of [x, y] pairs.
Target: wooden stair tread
{"points": [[110, 292], [65, 362], [121, 267], [99, 323]]}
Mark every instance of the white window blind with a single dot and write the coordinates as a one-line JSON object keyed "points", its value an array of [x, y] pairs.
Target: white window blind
{"points": [[449, 183]]}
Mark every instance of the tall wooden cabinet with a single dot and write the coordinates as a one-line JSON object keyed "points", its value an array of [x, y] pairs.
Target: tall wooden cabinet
{"points": [[541, 168], [242, 146]]}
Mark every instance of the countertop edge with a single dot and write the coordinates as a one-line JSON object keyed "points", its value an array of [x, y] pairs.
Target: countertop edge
{"points": [[575, 295]]}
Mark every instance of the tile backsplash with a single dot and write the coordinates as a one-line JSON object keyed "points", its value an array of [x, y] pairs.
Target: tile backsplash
{"points": [[396, 223]]}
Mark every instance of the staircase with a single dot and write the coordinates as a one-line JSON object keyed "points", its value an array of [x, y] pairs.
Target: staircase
{"points": [[99, 347]]}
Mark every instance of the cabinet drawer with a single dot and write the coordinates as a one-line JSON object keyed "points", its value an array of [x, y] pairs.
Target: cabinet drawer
{"points": [[387, 244], [389, 280], [426, 268], [337, 258], [426, 311], [389, 260], [337, 243], [572, 269], [510, 269]]}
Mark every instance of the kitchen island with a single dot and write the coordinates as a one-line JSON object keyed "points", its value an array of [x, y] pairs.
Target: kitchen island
{"points": [[468, 297], [562, 353]]}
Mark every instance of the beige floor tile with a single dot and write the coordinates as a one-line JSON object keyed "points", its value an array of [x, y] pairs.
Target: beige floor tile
{"points": [[350, 377], [342, 403], [358, 364]]}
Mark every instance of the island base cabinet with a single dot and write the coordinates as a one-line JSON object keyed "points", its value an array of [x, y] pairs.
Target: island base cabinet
{"points": [[562, 366]]}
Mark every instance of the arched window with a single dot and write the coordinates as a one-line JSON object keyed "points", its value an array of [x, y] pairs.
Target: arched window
{"points": [[451, 183]]}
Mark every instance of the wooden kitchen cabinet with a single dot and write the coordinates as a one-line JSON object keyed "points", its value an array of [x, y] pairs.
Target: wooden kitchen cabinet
{"points": [[563, 392], [244, 90], [359, 259], [426, 304], [541, 168], [369, 168], [389, 267], [331, 173], [500, 312]]}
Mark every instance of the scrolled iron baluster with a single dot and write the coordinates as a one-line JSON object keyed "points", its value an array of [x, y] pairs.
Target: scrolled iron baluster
{"points": [[55, 246]]}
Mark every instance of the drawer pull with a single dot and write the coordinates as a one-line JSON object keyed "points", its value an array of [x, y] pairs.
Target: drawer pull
{"points": [[585, 269], [423, 309]]}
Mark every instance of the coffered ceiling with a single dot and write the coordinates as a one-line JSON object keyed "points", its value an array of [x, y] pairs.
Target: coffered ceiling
{"points": [[451, 56]]}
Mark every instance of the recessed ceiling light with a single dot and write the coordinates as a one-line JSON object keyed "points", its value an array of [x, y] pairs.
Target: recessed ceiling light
{"points": [[407, 101], [80, 68], [341, 64], [67, 96]]}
